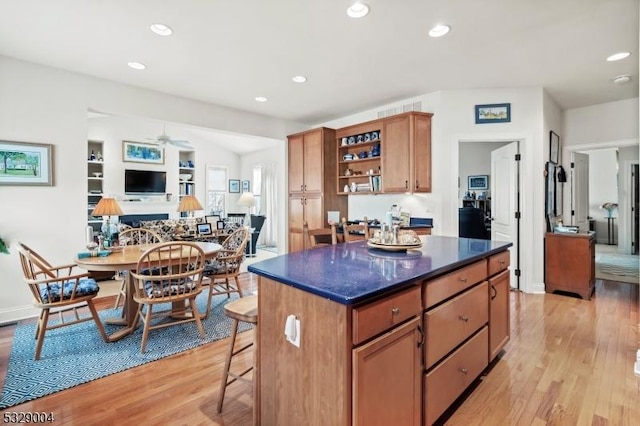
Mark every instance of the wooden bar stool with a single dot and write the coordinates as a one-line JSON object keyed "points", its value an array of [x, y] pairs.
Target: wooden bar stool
{"points": [[243, 309]]}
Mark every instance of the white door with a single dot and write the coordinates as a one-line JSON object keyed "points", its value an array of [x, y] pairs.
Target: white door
{"points": [[580, 190], [504, 201]]}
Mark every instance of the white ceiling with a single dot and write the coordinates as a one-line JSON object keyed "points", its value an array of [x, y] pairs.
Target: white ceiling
{"points": [[228, 52]]}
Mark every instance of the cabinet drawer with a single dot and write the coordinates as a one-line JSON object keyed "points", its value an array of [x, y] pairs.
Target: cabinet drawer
{"points": [[447, 381], [499, 262], [377, 317], [452, 322], [442, 288]]}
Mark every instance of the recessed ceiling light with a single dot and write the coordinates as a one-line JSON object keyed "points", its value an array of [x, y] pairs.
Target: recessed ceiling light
{"points": [[137, 65], [161, 29], [618, 56], [261, 99], [299, 78], [439, 30], [358, 10], [621, 79]]}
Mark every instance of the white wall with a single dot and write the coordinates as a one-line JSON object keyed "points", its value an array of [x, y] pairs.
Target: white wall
{"points": [[453, 122], [46, 105], [603, 188]]}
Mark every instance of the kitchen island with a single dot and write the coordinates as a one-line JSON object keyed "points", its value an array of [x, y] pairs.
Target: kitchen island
{"points": [[383, 337]]}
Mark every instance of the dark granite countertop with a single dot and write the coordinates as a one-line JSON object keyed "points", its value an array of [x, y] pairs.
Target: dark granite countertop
{"points": [[351, 273]]}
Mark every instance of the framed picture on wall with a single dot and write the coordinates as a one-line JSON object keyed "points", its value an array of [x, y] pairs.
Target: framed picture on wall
{"points": [[246, 186], [478, 182], [234, 186], [554, 147], [493, 113], [25, 163]]}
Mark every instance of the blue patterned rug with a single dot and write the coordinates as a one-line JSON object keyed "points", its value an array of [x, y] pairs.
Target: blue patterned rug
{"points": [[77, 354]]}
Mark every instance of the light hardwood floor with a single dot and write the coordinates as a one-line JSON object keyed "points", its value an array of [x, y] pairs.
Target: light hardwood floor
{"points": [[569, 362]]}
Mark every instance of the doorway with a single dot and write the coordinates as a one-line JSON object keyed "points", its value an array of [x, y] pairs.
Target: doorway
{"points": [[499, 161]]}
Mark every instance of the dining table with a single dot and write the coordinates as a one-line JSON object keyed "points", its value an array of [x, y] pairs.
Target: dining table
{"points": [[126, 259]]}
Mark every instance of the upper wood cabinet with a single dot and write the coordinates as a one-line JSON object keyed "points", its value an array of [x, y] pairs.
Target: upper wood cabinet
{"points": [[312, 182], [406, 153], [305, 160]]}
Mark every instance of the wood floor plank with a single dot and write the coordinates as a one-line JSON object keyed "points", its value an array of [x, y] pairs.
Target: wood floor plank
{"points": [[569, 362]]}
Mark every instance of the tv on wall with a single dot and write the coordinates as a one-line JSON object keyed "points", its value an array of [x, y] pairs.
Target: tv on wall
{"points": [[145, 182]]}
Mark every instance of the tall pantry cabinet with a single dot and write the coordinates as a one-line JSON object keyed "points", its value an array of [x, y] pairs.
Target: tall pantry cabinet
{"points": [[312, 182]]}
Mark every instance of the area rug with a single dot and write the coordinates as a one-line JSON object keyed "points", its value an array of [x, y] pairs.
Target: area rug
{"points": [[618, 267], [77, 354]]}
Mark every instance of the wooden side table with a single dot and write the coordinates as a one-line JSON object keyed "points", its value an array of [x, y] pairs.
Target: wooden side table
{"points": [[570, 263]]}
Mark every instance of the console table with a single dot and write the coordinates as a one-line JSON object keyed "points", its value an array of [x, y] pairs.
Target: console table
{"points": [[570, 263], [611, 235]]}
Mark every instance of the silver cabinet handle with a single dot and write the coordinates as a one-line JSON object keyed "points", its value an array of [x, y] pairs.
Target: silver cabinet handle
{"points": [[463, 318], [464, 371], [463, 279], [395, 311]]}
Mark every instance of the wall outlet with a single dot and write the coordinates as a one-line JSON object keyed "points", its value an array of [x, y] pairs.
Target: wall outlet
{"points": [[292, 330]]}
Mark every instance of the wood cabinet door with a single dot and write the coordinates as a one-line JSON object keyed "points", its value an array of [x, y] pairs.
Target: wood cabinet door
{"points": [[386, 378], [314, 212], [499, 316], [313, 161], [395, 153], [422, 154], [296, 219], [296, 164]]}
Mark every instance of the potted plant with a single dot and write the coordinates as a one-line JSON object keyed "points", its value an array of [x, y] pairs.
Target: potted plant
{"points": [[3, 246]]}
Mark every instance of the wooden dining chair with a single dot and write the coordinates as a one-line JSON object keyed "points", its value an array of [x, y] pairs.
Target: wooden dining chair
{"points": [[59, 288], [170, 273], [225, 267], [320, 236], [355, 232], [130, 237]]}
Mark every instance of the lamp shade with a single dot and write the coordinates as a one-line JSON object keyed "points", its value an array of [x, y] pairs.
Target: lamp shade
{"points": [[107, 207], [189, 203], [247, 199]]}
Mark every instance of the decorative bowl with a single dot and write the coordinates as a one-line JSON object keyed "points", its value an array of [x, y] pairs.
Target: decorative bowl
{"points": [[97, 174], [185, 176]]}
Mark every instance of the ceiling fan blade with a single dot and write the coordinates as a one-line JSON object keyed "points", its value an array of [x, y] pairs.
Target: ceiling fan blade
{"points": [[182, 144]]}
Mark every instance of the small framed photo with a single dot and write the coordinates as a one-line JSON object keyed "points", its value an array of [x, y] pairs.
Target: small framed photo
{"points": [[23, 163], [204, 228], [220, 225], [234, 186], [139, 152], [554, 147], [246, 186], [478, 182], [493, 113]]}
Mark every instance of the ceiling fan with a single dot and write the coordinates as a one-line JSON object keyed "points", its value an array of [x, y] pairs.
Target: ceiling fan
{"points": [[164, 139]]}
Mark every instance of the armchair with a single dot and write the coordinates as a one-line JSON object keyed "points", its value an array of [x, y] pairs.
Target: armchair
{"points": [[59, 288]]}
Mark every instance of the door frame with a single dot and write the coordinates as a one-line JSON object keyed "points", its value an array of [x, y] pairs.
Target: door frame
{"points": [[529, 192], [624, 222]]}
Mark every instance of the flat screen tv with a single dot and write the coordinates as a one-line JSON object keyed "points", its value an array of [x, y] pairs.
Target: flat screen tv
{"points": [[145, 182]]}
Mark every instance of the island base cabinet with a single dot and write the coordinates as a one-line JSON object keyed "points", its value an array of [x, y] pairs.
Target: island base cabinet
{"points": [[445, 382], [383, 395], [499, 316]]}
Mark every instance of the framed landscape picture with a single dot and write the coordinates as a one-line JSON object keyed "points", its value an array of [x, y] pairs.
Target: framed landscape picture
{"points": [[139, 152], [23, 163], [234, 186], [478, 182], [493, 113], [246, 186]]}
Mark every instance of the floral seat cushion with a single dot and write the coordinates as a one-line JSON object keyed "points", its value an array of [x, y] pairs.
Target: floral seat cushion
{"points": [[215, 266], [169, 287], [54, 292], [167, 228]]}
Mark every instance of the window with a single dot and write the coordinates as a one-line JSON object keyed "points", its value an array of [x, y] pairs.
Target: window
{"points": [[257, 187], [216, 190]]}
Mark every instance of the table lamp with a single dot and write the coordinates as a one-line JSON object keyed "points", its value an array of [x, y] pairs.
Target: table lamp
{"points": [[107, 207], [189, 204], [248, 200]]}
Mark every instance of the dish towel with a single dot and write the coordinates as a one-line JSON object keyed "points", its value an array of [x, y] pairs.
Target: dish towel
{"points": [[85, 254]]}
